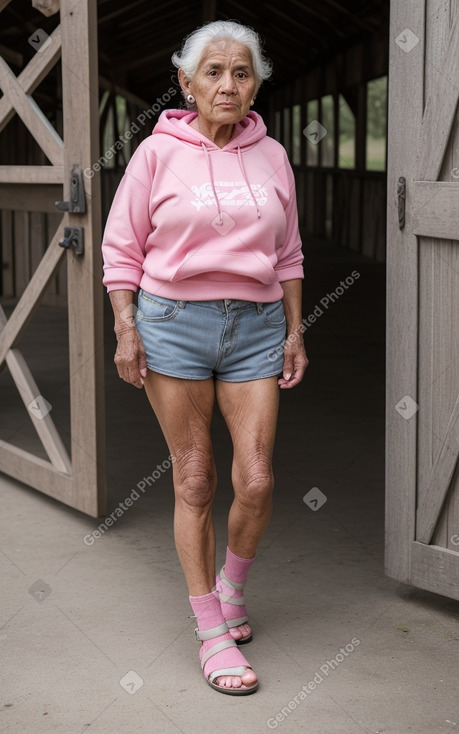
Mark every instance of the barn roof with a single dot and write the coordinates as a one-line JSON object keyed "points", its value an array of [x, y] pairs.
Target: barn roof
{"points": [[136, 39]]}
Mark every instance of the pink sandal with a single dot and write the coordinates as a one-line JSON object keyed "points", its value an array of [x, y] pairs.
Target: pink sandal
{"points": [[223, 658]]}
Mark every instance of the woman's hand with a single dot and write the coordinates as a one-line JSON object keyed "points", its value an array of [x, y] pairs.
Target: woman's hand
{"points": [[295, 361], [130, 357]]}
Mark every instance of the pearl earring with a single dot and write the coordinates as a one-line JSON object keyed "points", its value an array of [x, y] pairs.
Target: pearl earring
{"points": [[252, 102], [190, 99]]}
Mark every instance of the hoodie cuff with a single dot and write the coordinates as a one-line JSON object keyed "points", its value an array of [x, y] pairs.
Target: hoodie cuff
{"points": [[290, 272], [122, 279]]}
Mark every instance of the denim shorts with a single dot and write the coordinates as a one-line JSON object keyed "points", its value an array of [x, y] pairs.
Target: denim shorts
{"points": [[234, 341]]}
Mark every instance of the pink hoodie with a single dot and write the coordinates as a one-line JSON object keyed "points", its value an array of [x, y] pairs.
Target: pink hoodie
{"points": [[192, 221]]}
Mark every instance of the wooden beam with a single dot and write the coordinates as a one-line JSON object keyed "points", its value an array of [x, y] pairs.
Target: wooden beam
{"points": [[33, 74], [28, 390], [21, 197], [80, 103], [32, 174], [31, 115], [436, 128], [36, 472], [30, 299], [440, 478], [435, 568], [435, 209]]}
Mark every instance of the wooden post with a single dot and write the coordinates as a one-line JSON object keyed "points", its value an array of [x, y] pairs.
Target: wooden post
{"points": [[85, 292]]}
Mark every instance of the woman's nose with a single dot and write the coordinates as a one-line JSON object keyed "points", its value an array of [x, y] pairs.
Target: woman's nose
{"points": [[227, 85]]}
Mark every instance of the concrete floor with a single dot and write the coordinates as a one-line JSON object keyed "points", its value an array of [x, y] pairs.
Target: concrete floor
{"points": [[96, 638]]}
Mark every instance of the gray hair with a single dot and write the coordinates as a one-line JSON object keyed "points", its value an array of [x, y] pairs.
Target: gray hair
{"points": [[190, 54]]}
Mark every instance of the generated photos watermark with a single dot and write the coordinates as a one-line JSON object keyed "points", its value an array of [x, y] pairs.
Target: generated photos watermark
{"points": [[134, 128], [318, 311], [111, 519], [318, 678]]}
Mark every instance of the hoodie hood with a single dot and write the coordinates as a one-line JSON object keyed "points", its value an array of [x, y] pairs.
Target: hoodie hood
{"points": [[249, 131]]}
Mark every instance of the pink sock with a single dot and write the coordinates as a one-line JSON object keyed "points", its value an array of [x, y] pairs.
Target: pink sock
{"points": [[209, 614], [236, 568]]}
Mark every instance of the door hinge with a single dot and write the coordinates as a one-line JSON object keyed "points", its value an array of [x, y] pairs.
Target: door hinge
{"points": [[77, 203], [73, 240], [401, 196]]}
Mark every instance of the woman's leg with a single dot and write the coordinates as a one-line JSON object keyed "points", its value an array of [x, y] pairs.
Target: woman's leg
{"points": [[184, 411], [250, 410]]}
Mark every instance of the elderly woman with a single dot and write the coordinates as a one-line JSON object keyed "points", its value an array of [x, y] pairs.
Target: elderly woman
{"points": [[204, 227]]}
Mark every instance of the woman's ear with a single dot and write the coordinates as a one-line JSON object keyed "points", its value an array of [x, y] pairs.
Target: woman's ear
{"points": [[184, 82]]}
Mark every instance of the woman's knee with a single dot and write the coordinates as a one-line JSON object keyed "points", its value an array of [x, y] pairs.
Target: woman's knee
{"points": [[195, 479], [254, 484]]}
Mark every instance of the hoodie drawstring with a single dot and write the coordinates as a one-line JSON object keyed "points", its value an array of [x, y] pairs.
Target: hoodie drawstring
{"points": [[209, 166], [242, 167]]}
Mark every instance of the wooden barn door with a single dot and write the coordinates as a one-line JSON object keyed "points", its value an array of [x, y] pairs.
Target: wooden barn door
{"points": [[422, 505], [76, 476]]}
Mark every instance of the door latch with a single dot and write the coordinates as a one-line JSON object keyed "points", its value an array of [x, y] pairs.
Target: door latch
{"points": [[401, 196], [73, 240], [77, 203]]}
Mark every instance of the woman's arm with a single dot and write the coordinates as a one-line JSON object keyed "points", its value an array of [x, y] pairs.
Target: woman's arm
{"points": [[295, 359], [130, 357]]}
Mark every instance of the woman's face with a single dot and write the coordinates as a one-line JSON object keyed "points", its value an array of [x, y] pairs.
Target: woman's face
{"points": [[224, 83]]}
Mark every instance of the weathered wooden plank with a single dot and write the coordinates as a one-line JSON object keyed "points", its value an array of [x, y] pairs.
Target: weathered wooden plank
{"points": [[402, 269], [436, 128], [29, 391], [85, 294], [32, 174], [21, 197], [438, 302], [30, 299], [33, 74], [440, 478], [31, 115], [36, 472], [436, 209], [435, 569]]}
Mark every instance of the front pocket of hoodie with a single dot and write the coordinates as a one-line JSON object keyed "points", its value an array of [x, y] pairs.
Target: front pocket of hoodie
{"points": [[150, 309], [249, 264]]}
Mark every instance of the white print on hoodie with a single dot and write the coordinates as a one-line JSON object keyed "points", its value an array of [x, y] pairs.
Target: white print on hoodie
{"points": [[233, 193]]}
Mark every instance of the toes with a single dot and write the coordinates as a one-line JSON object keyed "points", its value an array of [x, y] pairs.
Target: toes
{"points": [[247, 680], [237, 633]]}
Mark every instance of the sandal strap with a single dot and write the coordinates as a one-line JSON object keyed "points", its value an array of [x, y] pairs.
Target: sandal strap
{"points": [[217, 648], [236, 622], [233, 584], [239, 671], [211, 633]]}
